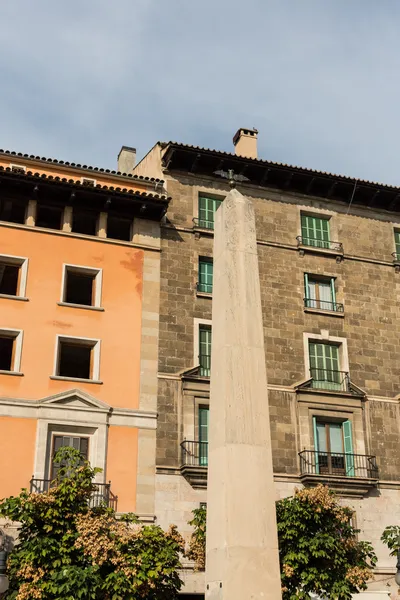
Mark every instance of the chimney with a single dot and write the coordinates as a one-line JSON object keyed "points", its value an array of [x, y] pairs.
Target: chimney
{"points": [[245, 142], [126, 159]]}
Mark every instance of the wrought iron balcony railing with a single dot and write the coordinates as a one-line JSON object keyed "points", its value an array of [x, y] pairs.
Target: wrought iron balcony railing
{"points": [[205, 365], [313, 462], [323, 305], [313, 242], [194, 454], [325, 379], [205, 288], [102, 496], [203, 223]]}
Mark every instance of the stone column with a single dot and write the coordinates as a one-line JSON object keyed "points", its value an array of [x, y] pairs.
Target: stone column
{"points": [[242, 543]]}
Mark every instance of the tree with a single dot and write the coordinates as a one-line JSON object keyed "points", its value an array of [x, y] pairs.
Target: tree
{"points": [[391, 537], [68, 550], [318, 548]]}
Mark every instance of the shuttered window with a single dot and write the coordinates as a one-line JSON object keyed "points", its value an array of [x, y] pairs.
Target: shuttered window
{"points": [[397, 242], [207, 208], [205, 275], [333, 443], [203, 435], [324, 366], [315, 231], [320, 293], [205, 350]]}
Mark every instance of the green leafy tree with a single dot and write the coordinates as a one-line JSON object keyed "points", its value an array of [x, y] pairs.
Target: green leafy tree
{"points": [[318, 547], [71, 551], [391, 537]]}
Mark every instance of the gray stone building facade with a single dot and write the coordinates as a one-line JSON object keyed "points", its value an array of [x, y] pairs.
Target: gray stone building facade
{"points": [[329, 261]]}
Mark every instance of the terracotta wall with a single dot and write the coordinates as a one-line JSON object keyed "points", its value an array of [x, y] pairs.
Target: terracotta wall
{"points": [[122, 465], [17, 450]]}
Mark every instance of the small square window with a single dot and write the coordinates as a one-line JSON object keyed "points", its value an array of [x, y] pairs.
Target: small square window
{"points": [[320, 293], [77, 358], [119, 228], [10, 350], [84, 221], [13, 271], [81, 286], [48, 216]]}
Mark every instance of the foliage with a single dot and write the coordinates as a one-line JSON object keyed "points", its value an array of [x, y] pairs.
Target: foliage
{"points": [[391, 537], [318, 548], [197, 543], [68, 550]]}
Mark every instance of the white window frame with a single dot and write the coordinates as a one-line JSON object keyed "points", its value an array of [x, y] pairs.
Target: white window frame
{"points": [[22, 263], [15, 166], [324, 337], [80, 341], [18, 335], [91, 179], [98, 283]]}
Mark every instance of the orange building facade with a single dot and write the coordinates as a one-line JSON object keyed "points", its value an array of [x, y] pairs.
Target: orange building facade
{"points": [[79, 306]]}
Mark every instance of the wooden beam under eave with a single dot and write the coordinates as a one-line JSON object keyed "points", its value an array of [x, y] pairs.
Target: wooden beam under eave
{"points": [[288, 180], [309, 186], [195, 163], [332, 189], [394, 202], [373, 198], [169, 158], [265, 176]]}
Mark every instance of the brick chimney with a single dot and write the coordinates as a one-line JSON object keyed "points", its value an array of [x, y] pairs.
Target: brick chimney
{"points": [[126, 159], [245, 142]]}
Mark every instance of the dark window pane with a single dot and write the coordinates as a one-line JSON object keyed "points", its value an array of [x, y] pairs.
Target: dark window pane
{"points": [[119, 228], [6, 353], [9, 279], [79, 288], [74, 360], [84, 222], [13, 210], [49, 216]]}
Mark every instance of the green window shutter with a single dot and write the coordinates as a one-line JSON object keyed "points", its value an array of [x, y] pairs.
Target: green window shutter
{"points": [[333, 293], [203, 435], [397, 242], [306, 290], [324, 366], [205, 275], [348, 448], [205, 350], [207, 208], [315, 231], [316, 445]]}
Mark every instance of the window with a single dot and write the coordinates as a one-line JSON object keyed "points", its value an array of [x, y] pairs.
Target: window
{"points": [[205, 283], [88, 181], [20, 169], [77, 358], [320, 293], [84, 221], [13, 211], [205, 350], [81, 286], [10, 350], [203, 435], [60, 441], [13, 271], [397, 243], [315, 231], [119, 228], [207, 208], [324, 367], [333, 444], [48, 216]]}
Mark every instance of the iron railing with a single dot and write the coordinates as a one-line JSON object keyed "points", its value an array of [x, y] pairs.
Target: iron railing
{"points": [[102, 495], [314, 462], [325, 379], [206, 288], [323, 305], [327, 245], [203, 223], [194, 454], [205, 365]]}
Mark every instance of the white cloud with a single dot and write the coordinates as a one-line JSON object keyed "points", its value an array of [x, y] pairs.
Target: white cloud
{"points": [[318, 79]]}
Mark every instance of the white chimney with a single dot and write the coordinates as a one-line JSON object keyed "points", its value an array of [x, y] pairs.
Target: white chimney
{"points": [[245, 142], [126, 159]]}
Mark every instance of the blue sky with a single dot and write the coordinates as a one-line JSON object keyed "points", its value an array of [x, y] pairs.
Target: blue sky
{"points": [[319, 79]]}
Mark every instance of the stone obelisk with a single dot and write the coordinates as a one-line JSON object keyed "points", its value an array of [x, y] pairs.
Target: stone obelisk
{"points": [[242, 544]]}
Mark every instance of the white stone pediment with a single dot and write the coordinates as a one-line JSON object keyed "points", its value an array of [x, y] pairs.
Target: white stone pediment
{"points": [[75, 399]]}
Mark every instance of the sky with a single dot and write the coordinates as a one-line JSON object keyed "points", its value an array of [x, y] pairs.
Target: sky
{"points": [[319, 79]]}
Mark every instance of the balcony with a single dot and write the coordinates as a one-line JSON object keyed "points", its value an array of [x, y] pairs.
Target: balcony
{"points": [[353, 474], [325, 379], [194, 462], [205, 365], [204, 288], [323, 305], [320, 246], [102, 496], [203, 224]]}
